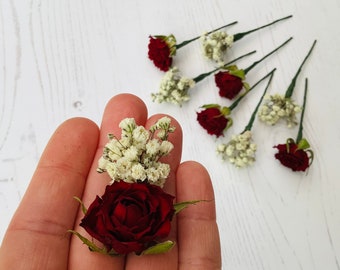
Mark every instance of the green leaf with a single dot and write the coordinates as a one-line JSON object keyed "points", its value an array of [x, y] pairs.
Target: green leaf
{"points": [[182, 205], [83, 208], [159, 248], [92, 246], [238, 73], [212, 105]]}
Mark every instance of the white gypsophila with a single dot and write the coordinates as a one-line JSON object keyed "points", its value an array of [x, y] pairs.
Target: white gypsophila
{"points": [[157, 175], [173, 88], [276, 107], [135, 157], [215, 45], [240, 150]]}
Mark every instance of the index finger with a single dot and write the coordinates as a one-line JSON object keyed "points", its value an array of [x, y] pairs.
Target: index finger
{"points": [[36, 237]]}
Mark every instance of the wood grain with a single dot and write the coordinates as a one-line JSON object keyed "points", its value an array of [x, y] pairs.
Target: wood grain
{"points": [[60, 59]]}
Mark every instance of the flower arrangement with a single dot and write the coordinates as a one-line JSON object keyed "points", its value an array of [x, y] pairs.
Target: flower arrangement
{"points": [[297, 154], [134, 214], [230, 80]]}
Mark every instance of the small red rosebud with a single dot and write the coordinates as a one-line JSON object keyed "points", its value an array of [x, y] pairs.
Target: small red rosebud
{"points": [[160, 53], [291, 156], [229, 85], [213, 121]]}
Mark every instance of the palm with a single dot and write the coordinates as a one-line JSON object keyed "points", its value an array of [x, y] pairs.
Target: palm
{"points": [[36, 237]]}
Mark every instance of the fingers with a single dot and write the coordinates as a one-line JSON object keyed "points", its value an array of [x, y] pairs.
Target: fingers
{"points": [[36, 237], [198, 238], [118, 108]]}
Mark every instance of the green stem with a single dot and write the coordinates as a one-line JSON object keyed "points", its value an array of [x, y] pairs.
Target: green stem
{"points": [[195, 38], [204, 75], [252, 118], [237, 101], [299, 136], [241, 35], [290, 89], [264, 57]]}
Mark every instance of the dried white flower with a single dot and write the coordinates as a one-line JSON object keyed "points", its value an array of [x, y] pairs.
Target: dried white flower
{"points": [[240, 150], [215, 45], [276, 107], [135, 157], [173, 88]]}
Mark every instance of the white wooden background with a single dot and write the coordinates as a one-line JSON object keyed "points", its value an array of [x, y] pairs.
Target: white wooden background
{"points": [[62, 58]]}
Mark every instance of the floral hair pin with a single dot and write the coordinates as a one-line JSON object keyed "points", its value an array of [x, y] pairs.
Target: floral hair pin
{"points": [[216, 44], [215, 119], [134, 214], [241, 149], [276, 107], [174, 88], [230, 80], [163, 48], [296, 155]]}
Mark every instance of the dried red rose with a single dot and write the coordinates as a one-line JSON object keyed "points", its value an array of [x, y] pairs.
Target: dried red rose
{"points": [[160, 53], [229, 85], [291, 156], [130, 217], [213, 120]]}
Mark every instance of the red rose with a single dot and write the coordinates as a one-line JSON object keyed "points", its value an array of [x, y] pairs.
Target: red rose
{"points": [[229, 85], [292, 157], [130, 217], [159, 53], [213, 121]]}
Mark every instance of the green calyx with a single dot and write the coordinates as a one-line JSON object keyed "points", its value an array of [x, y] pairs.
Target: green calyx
{"points": [[224, 110], [170, 40], [303, 144]]}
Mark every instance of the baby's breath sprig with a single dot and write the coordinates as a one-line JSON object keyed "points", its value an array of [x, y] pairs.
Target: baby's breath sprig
{"points": [[174, 88], [241, 149], [135, 157], [276, 107], [215, 45]]}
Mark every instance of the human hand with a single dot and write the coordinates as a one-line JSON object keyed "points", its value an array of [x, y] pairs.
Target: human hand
{"points": [[36, 237]]}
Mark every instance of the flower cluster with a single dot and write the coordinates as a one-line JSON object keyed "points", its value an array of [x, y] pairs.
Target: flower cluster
{"points": [[278, 107], [240, 150], [173, 88], [215, 45], [161, 50], [134, 214], [135, 157]]}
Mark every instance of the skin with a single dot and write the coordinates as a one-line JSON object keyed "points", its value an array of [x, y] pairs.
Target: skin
{"points": [[37, 236]]}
